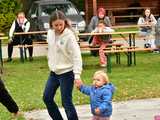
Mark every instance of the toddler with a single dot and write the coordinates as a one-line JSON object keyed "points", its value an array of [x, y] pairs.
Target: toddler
{"points": [[100, 93]]}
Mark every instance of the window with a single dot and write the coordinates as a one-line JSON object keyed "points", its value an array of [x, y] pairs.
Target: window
{"points": [[68, 9]]}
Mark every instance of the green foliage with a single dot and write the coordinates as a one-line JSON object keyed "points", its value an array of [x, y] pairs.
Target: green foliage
{"points": [[8, 9]]}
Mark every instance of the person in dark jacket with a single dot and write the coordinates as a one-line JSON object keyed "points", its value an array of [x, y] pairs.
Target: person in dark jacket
{"points": [[100, 93], [7, 100], [101, 16], [21, 24]]}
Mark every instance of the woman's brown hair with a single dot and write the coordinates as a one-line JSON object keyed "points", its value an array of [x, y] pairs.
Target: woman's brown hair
{"points": [[144, 12], [58, 15]]}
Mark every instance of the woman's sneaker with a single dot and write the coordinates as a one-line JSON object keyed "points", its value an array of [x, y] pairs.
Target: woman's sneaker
{"points": [[9, 59], [30, 58]]}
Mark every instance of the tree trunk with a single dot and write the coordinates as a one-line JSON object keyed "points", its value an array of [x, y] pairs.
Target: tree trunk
{"points": [[26, 4]]}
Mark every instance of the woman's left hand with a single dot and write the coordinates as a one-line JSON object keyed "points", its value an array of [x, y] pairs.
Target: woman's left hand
{"points": [[78, 83]]}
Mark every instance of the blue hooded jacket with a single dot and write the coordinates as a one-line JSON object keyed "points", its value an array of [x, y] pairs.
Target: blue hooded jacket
{"points": [[100, 98]]}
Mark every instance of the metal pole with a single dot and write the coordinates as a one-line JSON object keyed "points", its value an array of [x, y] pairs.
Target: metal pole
{"points": [[134, 53], [130, 53], [1, 59], [109, 66], [21, 49]]}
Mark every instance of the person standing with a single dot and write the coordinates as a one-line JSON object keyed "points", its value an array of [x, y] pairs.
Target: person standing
{"points": [[7, 100], [65, 65], [21, 24]]}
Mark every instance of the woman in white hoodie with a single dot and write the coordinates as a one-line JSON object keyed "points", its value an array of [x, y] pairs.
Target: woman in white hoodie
{"points": [[65, 64]]}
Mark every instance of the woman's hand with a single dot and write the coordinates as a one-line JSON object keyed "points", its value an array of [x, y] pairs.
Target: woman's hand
{"points": [[78, 83]]}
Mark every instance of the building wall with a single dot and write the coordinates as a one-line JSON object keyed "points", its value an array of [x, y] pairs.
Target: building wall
{"points": [[121, 4]]}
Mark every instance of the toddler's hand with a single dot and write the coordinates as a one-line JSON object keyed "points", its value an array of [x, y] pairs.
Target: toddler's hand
{"points": [[97, 111]]}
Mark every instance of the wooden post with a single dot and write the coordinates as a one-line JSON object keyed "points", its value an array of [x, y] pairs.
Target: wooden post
{"points": [[94, 7], [86, 11], [109, 64], [1, 59]]}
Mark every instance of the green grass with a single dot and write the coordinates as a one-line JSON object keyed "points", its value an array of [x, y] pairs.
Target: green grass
{"points": [[26, 81]]}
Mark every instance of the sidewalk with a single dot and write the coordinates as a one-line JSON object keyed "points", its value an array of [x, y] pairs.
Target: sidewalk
{"points": [[144, 109]]}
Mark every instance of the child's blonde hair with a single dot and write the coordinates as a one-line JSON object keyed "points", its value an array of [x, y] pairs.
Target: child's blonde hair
{"points": [[103, 74], [102, 21]]}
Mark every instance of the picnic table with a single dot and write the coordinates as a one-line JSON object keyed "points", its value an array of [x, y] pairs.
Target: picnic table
{"points": [[131, 56], [130, 50], [21, 46], [130, 39]]}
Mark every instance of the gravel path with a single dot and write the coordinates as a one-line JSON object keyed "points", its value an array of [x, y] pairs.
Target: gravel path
{"points": [[144, 109]]}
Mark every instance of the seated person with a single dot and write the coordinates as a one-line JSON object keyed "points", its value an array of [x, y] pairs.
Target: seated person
{"points": [[21, 24], [101, 15], [157, 36], [147, 31], [102, 40]]}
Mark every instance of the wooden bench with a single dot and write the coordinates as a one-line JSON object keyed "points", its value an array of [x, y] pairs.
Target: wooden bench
{"points": [[23, 48], [113, 19], [129, 51], [86, 45], [125, 9]]}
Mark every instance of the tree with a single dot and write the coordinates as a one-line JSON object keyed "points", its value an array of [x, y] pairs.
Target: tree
{"points": [[27, 3], [8, 10]]}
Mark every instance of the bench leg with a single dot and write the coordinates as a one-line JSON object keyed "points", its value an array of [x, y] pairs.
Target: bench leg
{"points": [[128, 59], [1, 59], [25, 53], [21, 54], [118, 58], [134, 54], [130, 55], [109, 66]]}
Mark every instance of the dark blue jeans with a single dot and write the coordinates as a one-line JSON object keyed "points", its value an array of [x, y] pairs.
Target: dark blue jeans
{"points": [[66, 83]]}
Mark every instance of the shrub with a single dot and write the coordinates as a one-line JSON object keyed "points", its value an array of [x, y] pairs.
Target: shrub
{"points": [[8, 10]]}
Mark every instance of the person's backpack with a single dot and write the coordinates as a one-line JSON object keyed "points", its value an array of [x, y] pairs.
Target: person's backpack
{"points": [[157, 27]]}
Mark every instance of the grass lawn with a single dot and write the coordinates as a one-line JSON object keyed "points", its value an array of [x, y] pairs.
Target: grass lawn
{"points": [[26, 81]]}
